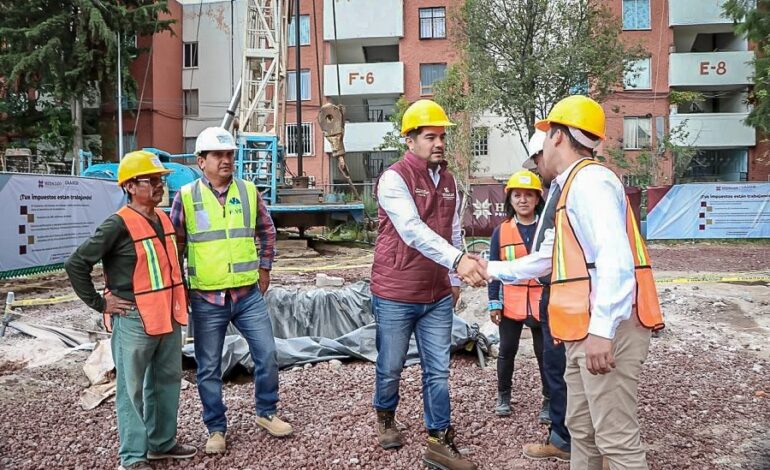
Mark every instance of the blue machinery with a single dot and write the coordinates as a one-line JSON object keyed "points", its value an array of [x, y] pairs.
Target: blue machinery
{"points": [[259, 159]]}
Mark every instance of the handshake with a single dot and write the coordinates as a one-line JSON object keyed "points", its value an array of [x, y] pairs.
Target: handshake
{"points": [[472, 270]]}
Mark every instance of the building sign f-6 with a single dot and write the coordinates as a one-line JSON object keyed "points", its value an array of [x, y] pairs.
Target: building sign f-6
{"points": [[368, 77]]}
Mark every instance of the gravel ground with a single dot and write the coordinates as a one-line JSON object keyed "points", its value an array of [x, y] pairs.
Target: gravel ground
{"points": [[703, 397], [702, 405]]}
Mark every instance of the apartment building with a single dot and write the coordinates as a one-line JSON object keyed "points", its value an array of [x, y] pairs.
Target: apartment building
{"points": [[692, 48], [365, 54]]}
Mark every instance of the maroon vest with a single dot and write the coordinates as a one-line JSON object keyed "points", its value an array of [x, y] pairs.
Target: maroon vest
{"points": [[402, 273]]}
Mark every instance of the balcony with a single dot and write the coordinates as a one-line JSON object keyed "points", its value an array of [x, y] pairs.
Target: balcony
{"points": [[711, 69], [712, 130], [696, 12], [383, 78], [361, 19], [363, 136]]}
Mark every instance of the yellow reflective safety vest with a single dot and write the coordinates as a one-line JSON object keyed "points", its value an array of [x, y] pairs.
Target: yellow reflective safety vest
{"points": [[221, 252], [569, 309]]}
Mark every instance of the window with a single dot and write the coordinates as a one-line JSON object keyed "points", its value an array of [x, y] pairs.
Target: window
{"points": [[190, 59], [432, 23], [291, 85], [304, 31], [189, 144], [636, 14], [638, 75], [190, 102], [429, 74], [637, 133], [480, 142], [129, 142], [307, 139]]}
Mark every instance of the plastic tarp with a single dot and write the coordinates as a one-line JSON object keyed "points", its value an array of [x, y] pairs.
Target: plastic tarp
{"points": [[319, 325]]}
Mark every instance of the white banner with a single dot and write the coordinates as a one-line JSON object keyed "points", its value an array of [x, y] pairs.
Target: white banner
{"points": [[44, 218], [712, 210]]}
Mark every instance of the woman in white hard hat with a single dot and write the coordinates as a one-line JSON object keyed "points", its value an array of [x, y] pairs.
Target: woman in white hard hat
{"points": [[512, 306]]}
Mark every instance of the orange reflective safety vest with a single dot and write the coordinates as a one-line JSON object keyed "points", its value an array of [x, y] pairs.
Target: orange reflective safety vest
{"points": [[158, 287], [569, 310], [519, 300]]}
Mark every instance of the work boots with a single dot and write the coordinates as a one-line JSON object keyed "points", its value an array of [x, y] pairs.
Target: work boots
{"points": [[545, 451], [442, 453], [503, 404], [387, 432], [545, 412]]}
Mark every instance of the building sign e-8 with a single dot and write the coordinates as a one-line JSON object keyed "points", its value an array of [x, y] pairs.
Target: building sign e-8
{"points": [[720, 68], [368, 77]]}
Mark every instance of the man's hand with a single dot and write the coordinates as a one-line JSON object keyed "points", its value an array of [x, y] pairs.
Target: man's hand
{"points": [[599, 357], [264, 280], [455, 295], [472, 271], [495, 316], [114, 305]]}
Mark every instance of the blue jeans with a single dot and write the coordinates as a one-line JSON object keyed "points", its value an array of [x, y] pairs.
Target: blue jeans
{"points": [[554, 365], [432, 328], [250, 316]]}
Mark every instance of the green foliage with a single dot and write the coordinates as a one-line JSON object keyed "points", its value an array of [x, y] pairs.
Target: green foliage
{"points": [[676, 97], [63, 49], [393, 140], [525, 55], [642, 169], [753, 21]]}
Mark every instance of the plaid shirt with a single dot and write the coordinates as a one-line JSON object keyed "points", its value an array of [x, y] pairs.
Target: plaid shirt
{"points": [[264, 238]]}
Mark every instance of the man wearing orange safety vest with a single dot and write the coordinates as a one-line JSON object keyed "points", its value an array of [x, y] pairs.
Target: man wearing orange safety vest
{"points": [[144, 306], [603, 303]]}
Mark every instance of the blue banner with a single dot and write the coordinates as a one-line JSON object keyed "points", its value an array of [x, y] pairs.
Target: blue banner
{"points": [[711, 210]]}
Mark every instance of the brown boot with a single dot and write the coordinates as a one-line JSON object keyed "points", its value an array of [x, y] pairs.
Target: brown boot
{"points": [[545, 451], [442, 453], [387, 432]]}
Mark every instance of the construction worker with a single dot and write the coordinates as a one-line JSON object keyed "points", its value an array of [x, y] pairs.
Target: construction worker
{"points": [[225, 230], [412, 290], [515, 305], [558, 443], [143, 305], [603, 303]]}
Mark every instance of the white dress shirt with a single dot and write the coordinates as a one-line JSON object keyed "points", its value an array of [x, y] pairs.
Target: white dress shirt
{"points": [[596, 206], [395, 199]]}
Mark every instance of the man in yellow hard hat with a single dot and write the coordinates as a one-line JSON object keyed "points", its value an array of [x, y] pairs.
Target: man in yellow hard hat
{"points": [[144, 305], [602, 302], [417, 261]]}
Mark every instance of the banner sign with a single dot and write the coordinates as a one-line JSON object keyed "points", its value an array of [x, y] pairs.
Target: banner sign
{"points": [[711, 210], [485, 209], [46, 217]]}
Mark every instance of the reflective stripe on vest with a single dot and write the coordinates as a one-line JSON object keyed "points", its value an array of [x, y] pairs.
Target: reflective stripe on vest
{"points": [[519, 300], [157, 280], [221, 251], [569, 311]]}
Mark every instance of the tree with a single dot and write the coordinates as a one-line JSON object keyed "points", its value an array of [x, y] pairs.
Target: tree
{"points": [[752, 19], [525, 55], [66, 48]]}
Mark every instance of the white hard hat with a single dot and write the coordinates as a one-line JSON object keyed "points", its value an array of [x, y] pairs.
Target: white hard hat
{"points": [[534, 147], [214, 138]]}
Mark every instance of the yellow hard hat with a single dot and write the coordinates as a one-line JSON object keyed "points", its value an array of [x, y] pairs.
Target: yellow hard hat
{"points": [[524, 179], [139, 163], [578, 111], [423, 113]]}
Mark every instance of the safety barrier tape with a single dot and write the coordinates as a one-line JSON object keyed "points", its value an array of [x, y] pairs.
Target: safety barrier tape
{"points": [[747, 277]]}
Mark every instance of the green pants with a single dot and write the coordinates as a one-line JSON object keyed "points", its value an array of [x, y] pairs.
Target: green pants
{"points": [[149, 373]]}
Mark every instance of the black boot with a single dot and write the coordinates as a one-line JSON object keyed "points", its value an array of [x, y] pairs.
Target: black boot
{"points": [[503, 404], [545, 414]]}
